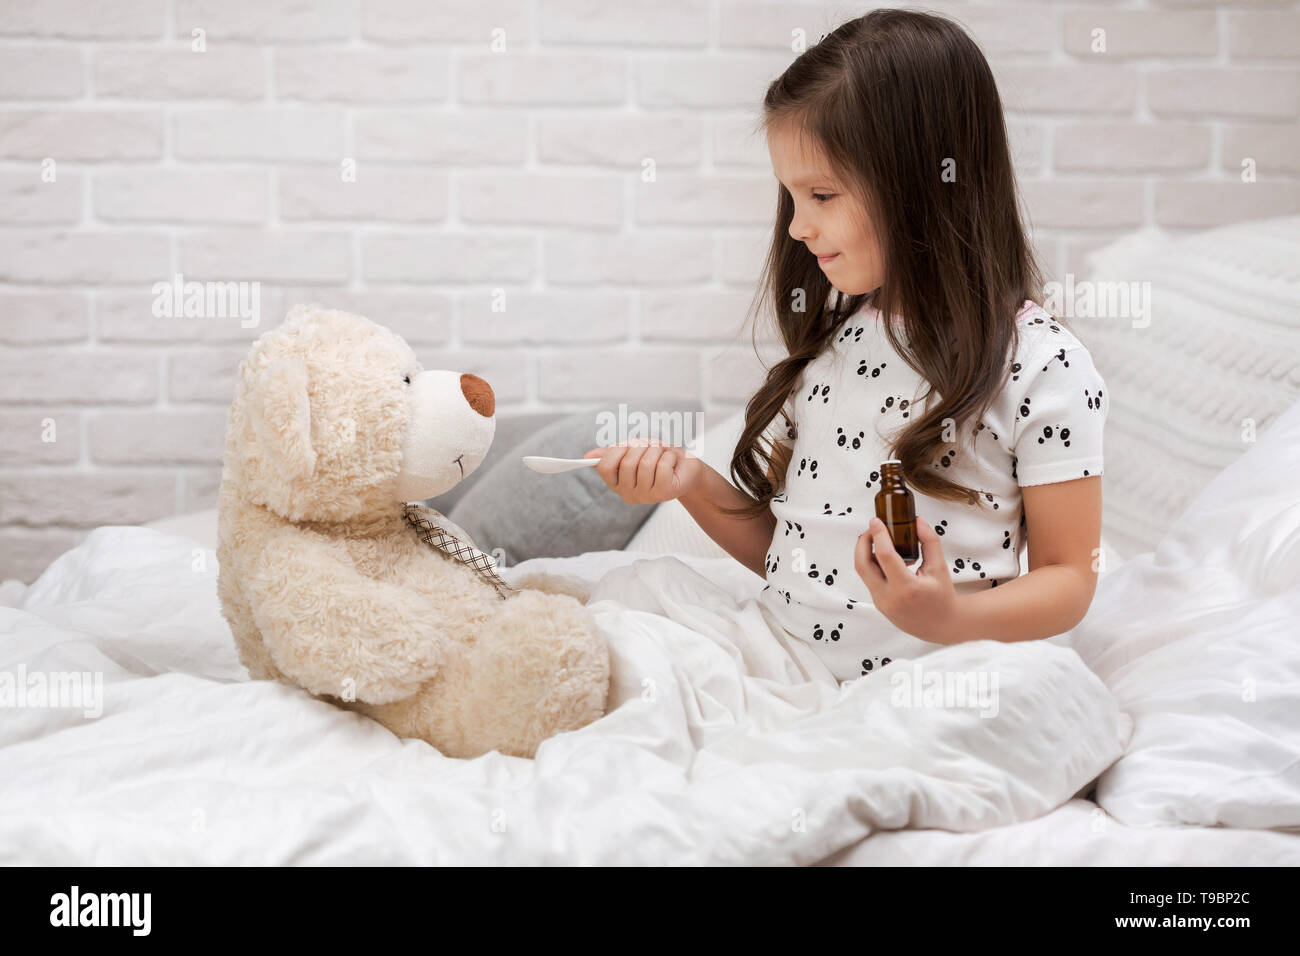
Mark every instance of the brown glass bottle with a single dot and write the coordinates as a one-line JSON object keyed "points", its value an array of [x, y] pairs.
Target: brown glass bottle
{"points": [[896, 507]]}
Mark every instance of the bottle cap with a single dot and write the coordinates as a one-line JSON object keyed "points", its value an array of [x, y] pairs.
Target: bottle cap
{"points": [[892, 461]]}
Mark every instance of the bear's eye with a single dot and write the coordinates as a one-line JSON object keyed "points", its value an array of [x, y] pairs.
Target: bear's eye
{"points": [[407, 380]]}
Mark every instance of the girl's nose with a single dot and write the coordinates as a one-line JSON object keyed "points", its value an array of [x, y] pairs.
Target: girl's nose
{"points": [[798, 231]]}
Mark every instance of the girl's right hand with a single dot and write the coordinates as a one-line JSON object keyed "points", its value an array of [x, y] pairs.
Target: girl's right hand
{"points": [[642, 472]]}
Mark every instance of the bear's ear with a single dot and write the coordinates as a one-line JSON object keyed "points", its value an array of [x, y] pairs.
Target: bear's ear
{"points": [[284, 422]]}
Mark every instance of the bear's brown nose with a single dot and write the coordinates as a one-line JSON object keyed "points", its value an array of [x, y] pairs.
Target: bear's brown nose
{"points": [[478, 393]]}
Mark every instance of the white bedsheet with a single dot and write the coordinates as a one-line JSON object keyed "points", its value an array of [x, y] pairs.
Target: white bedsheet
{"points": [[722, 745], [1077, 834]]}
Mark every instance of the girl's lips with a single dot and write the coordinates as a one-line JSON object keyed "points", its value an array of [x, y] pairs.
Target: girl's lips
{"points": [[825, 259]]}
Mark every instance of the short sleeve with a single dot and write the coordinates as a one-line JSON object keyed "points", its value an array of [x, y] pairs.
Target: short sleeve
{"points": [[1060, 416]]}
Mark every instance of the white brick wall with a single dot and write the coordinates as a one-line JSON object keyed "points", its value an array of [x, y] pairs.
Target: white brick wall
{"points": [[498, 144]]}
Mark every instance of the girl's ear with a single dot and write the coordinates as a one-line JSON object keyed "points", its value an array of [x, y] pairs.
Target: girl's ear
{"points": [[283, 423]]}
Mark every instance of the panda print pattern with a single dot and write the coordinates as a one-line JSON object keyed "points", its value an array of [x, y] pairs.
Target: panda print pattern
{"points": [[1045, 426]]}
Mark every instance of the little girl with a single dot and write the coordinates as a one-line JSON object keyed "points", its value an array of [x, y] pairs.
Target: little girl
{"points": [[904, 289]]}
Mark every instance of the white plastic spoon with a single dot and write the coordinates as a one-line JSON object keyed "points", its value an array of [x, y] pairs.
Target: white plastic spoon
{"points": [[554, 466]]}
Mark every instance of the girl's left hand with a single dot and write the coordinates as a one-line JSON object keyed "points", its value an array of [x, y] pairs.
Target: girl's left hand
{"points": [[923, 604]]}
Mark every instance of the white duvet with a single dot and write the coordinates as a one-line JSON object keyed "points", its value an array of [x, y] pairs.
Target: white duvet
{"points": [[722, 745]]}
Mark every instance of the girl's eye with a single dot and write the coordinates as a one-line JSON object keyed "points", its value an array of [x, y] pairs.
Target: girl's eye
{"points": [[822, 197]]}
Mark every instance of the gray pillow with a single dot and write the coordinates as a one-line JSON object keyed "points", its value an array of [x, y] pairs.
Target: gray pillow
{"points": [[529, 515]]}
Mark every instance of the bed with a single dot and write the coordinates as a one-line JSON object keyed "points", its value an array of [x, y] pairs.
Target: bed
{"points": [[1163, 730]]}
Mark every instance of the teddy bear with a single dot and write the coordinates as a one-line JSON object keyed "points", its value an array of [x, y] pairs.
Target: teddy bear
{"points": [[331, 580]]}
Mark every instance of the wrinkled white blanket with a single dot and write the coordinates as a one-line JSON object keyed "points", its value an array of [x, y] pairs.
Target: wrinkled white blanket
{"points": [[722, 745]]}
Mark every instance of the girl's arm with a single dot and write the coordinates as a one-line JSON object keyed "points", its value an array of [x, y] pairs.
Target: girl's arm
{"points": [[746, 540], [1064, 524]]}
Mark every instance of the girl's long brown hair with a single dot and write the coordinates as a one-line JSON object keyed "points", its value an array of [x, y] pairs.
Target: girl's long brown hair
{"points": [[893, 99]]}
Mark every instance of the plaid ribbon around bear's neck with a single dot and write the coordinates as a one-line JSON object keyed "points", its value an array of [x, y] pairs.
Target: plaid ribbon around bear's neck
{"points": [[428, 523]]}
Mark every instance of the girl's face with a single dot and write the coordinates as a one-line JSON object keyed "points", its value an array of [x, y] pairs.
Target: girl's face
{"points": [[831, 222]]}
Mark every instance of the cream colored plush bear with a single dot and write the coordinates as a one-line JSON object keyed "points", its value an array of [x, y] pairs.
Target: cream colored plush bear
{"points": [[334, 427]]}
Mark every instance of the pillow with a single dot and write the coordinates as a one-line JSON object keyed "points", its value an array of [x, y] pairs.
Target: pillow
{"points": [[529, 515], [1220, 347], [200, 526], [1197, 641]]}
